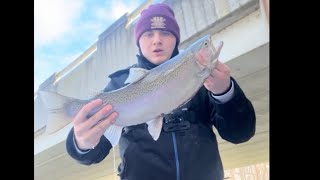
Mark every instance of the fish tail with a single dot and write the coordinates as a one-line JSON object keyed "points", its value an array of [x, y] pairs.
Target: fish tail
{"points": [[57, 116]]}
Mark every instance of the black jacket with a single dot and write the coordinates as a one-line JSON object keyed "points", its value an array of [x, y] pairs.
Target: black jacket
{"points": [[187, 148]]}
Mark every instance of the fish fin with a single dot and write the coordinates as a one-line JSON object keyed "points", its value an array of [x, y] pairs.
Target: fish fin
{"points": [[135, 75], [113, 134], [154, 127], [57, 117]]}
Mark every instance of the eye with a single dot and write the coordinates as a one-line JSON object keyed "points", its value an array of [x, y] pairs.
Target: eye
{"points": [[166, 33], [206, 43], [147, 34]]}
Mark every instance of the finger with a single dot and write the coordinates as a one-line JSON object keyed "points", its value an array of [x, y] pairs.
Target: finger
{"points": [[208, 83], [98, 130], [93, 120], [106, 123], [82, 114], [216, 74], [222, 67]]}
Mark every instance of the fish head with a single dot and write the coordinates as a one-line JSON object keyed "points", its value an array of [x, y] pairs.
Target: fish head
{"points": [[206, 55]]}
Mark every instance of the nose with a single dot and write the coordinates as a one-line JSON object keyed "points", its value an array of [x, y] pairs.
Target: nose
{"points": [[157, 39]]}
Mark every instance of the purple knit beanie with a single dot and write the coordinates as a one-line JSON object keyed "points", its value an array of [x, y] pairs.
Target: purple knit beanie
{"points": [[157, 16]]}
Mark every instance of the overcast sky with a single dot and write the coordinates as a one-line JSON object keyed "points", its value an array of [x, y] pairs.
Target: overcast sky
{"points": [[63, 29]]}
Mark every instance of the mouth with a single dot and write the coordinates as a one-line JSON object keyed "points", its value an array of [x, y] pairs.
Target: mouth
{"points": [[157, 50]]}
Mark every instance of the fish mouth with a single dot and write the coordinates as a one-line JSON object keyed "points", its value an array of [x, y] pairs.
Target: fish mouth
{"points": [[215, 54], [207, 57]]}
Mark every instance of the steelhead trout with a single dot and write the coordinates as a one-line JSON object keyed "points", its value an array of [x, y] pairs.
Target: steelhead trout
{"points": [[148, 94]]}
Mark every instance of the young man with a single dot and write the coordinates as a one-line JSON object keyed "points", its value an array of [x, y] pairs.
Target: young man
{"points": [[183, 153]]}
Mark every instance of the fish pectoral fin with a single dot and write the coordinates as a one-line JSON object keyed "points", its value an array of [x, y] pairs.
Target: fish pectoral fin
{"points": [[135, 75], [113, 134], [154, 127]]}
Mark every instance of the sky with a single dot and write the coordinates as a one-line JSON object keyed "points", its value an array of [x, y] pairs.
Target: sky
{"points": [[64, 29]]}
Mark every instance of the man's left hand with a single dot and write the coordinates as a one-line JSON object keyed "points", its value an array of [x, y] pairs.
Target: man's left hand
{"points": [[219, 80]]}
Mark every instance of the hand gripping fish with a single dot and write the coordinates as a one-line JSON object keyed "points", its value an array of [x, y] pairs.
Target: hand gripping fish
{"points": [[149, 94]]}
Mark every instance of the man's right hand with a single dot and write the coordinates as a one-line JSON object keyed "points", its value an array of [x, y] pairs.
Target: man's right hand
{"points": [[88, 131]]}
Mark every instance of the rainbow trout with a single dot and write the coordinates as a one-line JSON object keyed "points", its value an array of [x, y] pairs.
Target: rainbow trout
{"points": [[148, 94]]}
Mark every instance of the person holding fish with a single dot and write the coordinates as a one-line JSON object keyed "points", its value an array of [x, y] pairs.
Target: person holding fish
{"points": [[179, 144]]}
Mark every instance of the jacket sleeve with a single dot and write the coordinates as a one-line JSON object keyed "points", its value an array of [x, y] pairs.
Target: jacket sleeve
{"points": [[235, 119], [94, 155]]}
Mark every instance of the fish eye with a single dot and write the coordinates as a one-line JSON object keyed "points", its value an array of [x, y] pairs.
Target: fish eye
{"points": [[206, 43]]}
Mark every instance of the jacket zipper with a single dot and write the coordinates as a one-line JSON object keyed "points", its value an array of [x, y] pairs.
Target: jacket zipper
{"points": [[176, 155]]}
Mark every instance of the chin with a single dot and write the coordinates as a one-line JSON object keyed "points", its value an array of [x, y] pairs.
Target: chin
{"points": [[162, 60], [158, 61]]}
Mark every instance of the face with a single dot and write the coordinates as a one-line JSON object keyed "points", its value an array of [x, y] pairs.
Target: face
{"points": [[157, 45]]}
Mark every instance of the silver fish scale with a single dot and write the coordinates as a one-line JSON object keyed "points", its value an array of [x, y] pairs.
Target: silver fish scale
{"points": [[72, 107], [153, 81], [156, 78]]}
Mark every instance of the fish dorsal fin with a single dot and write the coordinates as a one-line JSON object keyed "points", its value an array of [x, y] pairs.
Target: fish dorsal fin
{"points": [[135, 75]]}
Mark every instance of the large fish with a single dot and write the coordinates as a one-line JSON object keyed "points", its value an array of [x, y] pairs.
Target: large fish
{"points": [[149, 94]]}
